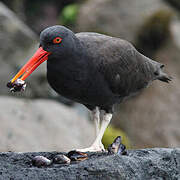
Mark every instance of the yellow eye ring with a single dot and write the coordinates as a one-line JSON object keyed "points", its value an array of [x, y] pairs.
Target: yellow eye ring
{"points": [[57, 40]]}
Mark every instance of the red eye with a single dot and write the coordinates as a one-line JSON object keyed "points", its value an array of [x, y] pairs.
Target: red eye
{"points": [[57, 40]]}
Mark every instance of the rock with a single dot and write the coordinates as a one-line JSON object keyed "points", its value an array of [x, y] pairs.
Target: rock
{"points": [[138, 164], [151, 119], [121, 18], [154, 32], [175, 29], [18, 43], [41, 125]]}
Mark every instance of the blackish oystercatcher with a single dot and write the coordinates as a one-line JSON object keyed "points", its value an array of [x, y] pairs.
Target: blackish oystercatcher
{"points": [[96, 70]]}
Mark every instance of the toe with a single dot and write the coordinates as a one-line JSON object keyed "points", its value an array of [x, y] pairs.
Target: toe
{"points": [[102, 147], [91, 149]]}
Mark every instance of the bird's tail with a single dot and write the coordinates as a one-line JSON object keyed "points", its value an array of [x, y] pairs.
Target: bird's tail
{"points": [[163, 76]]}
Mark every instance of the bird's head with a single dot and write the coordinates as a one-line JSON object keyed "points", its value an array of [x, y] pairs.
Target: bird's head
{"points": [[55, 41], [58, 40]]}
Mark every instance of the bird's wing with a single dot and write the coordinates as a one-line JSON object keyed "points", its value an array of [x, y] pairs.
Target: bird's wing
{"points": [[125, 70]]}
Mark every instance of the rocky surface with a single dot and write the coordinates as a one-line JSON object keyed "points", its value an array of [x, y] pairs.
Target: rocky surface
{"points": [[42, 125], [138, 164], [121, 18]]}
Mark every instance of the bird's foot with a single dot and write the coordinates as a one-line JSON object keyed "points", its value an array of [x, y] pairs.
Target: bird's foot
{"points": [[93, 148]]}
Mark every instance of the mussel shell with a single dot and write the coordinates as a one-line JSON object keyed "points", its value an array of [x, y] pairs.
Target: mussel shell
{"points": [[77, 156], [117, 147], [113, 148], [18, 85], [122, 149], [40, 161], [118, 140], [10, 84], [61, 159]]}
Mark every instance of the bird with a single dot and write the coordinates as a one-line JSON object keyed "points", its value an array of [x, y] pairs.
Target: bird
{"points": [[93, 69]]}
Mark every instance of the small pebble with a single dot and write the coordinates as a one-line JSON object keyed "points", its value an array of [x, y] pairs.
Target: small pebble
{"points": [[40, 161], [61, 159]]}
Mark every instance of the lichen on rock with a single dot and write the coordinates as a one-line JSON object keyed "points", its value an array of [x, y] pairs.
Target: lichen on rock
{"points": [[154, 32]]}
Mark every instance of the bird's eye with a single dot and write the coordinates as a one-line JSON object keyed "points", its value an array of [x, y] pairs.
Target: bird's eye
{"points": [[57, 40]]}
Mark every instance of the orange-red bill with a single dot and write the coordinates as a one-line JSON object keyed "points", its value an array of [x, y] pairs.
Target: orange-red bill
{"points": [[39, 57]]}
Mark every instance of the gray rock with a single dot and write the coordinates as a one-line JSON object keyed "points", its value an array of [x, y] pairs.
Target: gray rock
{"points": [[18, 43], [121, 18], [138, 164], [175, 29], [42, 125]]}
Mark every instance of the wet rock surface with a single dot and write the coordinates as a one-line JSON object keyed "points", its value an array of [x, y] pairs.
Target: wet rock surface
{"points": [[157, 163]]}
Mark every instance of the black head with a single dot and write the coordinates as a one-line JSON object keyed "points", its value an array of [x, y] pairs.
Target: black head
{"points": [[58, 40]]}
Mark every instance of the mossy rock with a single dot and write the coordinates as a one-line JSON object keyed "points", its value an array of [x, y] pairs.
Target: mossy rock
{"points": [[111, 133], [154, 32], [69, 14]]}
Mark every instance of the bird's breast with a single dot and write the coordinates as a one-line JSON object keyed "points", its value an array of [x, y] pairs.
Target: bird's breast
{"points": [[68, 85], [91, 90]]}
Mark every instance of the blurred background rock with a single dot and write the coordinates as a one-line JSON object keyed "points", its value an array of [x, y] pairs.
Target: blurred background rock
{"points": [[148, 120]]}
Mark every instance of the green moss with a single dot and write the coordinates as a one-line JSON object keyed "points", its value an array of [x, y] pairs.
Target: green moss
{"points": [[69, 14], [154, 32], [111, 133]]}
